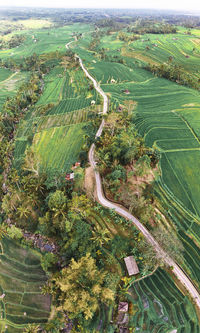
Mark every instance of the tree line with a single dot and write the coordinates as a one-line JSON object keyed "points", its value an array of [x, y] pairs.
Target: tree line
{"points": [[174, 72]]}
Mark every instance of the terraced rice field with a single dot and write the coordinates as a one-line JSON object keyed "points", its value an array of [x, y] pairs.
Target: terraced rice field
{"points": [[21, 278], [160, 109], [159, 306], [157, 303], [58, 132], [167, 117], [60, 147], [41, 41], [185, 50]]}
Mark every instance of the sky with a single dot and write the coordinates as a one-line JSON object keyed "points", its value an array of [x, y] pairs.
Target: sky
{"points": [[188, 5]]}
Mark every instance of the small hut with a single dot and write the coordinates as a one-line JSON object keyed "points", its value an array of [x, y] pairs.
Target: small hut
{"points": [[113, 81], [123, 307], [93, 102], [69, 176], [122, 317], [131, 265], [126, 91]]}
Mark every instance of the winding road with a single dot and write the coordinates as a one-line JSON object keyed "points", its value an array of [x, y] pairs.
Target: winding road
{"points": [[176, 269], [178, 272]]}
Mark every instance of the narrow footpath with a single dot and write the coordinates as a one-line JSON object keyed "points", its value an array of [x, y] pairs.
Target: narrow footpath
{"points": [[178, 272]]}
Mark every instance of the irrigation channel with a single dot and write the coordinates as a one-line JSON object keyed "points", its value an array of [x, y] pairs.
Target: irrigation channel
{"points": [[176, 269]]}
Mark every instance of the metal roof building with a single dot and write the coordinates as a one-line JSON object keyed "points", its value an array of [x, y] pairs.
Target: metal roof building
{"points": [[131, 265]]}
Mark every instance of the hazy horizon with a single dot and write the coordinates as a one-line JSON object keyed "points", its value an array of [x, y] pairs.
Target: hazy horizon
{"points": [[184, 5]]}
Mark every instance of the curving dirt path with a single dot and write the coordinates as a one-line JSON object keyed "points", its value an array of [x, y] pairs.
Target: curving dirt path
{"points": [[180, 274]]}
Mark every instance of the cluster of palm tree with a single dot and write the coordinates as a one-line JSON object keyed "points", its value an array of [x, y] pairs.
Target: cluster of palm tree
{"points": [[174, 72]]}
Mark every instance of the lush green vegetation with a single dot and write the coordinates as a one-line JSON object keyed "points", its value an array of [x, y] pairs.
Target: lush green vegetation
{"points": [[62, 117], [48, 123], [9, 83], [21, 279]]}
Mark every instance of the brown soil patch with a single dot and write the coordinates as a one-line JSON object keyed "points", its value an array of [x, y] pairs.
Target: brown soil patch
{"points": [[139, 182], [89, 183]]}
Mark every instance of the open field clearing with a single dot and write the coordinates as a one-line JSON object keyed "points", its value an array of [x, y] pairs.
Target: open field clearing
{"points": [[10, 83], [56, 146], [35, 24], [21, 278], [19, 25]]}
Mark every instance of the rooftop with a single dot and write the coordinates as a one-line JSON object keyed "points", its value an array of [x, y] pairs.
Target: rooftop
{"points": [[131, 265]]}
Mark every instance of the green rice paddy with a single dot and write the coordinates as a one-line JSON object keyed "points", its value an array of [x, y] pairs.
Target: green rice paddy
{"points": [[167, 117], [159, 306], [41, 41], [58, 133], [21, 279]]}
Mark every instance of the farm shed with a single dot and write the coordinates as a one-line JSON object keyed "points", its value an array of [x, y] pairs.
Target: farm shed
{"points": [[131, 265], [123, 307]]}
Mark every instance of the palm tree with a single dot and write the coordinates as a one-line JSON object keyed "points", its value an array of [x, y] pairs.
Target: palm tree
{"points": [[32, 328], [100, 236], [23, 211]]}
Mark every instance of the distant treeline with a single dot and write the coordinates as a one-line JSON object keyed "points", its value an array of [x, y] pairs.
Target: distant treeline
{"points": [[166, 29], [102, 17]]}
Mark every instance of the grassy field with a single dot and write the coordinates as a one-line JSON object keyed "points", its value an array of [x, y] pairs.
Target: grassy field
{"points": [[21, 278], [10, 83]]}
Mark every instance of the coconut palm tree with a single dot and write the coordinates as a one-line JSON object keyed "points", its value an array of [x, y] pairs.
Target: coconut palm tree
{"points": [[100, 236], [32, 328]]}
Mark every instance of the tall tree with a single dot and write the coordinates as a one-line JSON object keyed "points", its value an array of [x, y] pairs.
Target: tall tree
{"points": [[82, 287]]}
